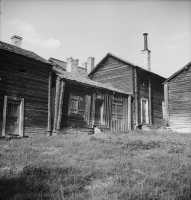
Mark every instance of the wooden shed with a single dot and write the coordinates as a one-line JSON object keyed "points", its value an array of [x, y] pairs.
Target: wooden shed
{"points": [[81, 104], [177, 92], [145, 87], [24, 93]]}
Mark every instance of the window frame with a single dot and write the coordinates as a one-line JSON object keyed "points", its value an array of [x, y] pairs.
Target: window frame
{"points": [[78, 97], [118, 102]]}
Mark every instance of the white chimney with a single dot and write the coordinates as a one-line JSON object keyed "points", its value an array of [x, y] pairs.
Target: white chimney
{"points": [[16, 41], [146, 61], [84, 65], [90, 64], [72, 65]]}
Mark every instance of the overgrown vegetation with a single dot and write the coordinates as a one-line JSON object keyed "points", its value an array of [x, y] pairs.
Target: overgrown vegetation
{"points": [[136, 166]]}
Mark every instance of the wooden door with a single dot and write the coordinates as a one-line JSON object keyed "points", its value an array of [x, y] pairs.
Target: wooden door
{"points": [[98, 112], [144, 111], [12, 118]]}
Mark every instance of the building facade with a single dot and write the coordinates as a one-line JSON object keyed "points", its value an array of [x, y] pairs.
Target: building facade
{"points": [[177, 92], [145, 86], [24, 90]]}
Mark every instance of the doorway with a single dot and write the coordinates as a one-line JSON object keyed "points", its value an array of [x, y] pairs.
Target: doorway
{"points": [[13, 113], [98, 111], [144, 111]]}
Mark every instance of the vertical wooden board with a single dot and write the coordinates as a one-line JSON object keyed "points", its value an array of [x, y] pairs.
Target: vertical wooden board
{"points": [[87, 110], [57, 95], [166, 104], [93, 108], [21, 120], [62, 89], [49, 126], [4, 115], [150, 100], [129, 112], [136, 97]]}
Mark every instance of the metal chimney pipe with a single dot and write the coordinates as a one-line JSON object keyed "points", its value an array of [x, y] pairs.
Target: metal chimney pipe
{"points": [[145, 41]]}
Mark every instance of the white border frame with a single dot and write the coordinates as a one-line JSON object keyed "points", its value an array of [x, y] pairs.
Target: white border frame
{"points": [[147, 113]]}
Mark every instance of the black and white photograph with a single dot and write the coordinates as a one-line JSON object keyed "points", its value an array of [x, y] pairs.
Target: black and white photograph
{"points": [[95, 100]]}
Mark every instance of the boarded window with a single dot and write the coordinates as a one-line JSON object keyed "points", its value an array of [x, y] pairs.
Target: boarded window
{"points": [[77, 105], [117, 108]]}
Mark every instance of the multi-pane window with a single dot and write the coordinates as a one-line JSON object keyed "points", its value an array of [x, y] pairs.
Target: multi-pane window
{"points": [[117, 108], [77, 105]]}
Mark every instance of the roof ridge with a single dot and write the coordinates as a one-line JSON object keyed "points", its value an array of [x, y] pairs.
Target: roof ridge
{"points": [[134, 65], [177, 72], [14, 49], [57, 59]]}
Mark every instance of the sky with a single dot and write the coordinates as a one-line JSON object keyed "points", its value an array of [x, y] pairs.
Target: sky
{"points": [[80, 29]]}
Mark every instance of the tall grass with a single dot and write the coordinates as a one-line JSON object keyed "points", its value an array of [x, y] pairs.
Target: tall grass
{"points": [[138, 165]]}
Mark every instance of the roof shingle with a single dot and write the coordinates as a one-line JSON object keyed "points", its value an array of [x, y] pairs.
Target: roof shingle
{"points": [[20, 51]]}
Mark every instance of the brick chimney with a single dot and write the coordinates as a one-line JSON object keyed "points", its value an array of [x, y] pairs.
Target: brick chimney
{"points": [[146, 61], [16, 41], [84, 65], [90, 64], [72, 65]]}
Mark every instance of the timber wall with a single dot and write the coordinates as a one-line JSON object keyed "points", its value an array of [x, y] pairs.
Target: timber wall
{"points": [[157, 95], [179, 91], [115, 73], [31, 84], [77, 122]]}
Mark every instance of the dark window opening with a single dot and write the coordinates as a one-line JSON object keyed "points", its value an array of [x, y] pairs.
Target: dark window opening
{"points": [[142, 82], [22, 70]]}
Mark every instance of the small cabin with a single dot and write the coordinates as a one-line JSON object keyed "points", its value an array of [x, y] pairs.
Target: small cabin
{"points": [[145, 86], [24, 90], [177, 93], [81, 104]]}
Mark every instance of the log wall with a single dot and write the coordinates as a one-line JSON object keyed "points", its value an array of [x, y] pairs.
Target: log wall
{"points": [[26, 78], [150, 87], [179, 92], [115, 73], [69, 122]]}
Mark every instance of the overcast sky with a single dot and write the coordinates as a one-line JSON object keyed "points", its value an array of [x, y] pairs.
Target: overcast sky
{"points": [[79, 29]]}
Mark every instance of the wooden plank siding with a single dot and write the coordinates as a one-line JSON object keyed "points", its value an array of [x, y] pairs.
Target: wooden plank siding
{"points": [[156, 98], [115, 73], [179, 98], [29, 79], [71, 122], [130, 78]]}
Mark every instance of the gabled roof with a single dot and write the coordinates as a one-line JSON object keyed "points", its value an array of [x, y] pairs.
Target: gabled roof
{"points": [[85, 81], [178, 72], [20, 51], [61, 63], [120, 59], [81, 71]]}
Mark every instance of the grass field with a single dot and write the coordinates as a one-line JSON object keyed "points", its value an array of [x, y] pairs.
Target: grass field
{"points": [[136, 165]]}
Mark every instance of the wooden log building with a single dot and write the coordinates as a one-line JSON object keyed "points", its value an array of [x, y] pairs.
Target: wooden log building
{"points": [[81, 104], [145, 86], [177, 93], [24, 90]]}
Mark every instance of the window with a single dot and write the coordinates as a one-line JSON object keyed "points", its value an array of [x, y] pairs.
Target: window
{"points": [[117, 108], [13, 109], [76, 105], [142, 82], [22, 70]]}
